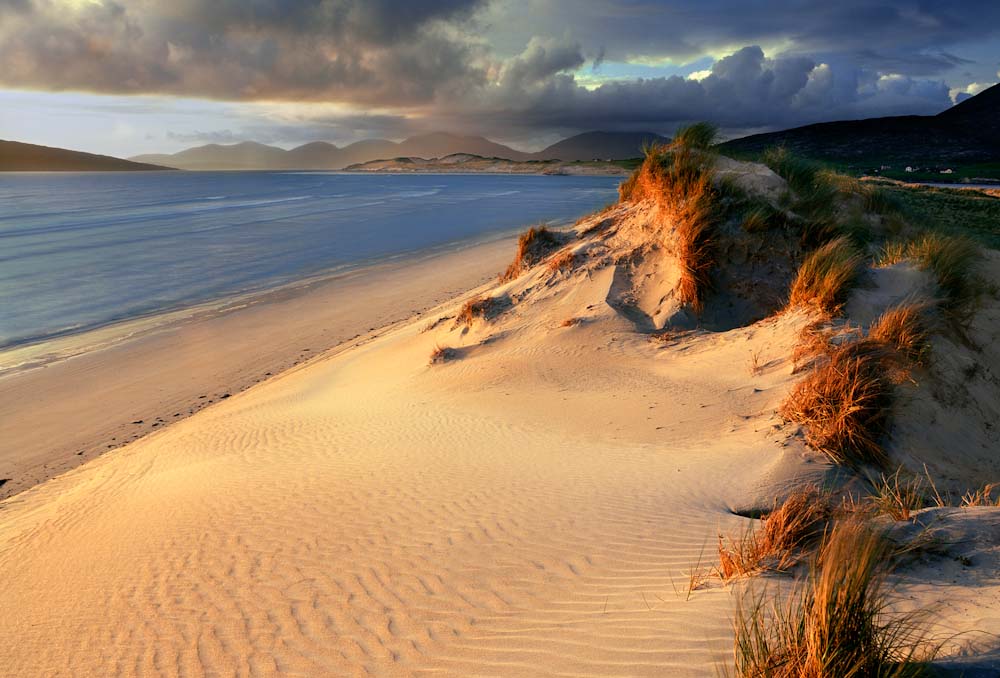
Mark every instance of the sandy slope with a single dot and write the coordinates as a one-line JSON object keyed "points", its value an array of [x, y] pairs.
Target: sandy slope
{"points": [[532, 507], [528, 510], [152, 378]]}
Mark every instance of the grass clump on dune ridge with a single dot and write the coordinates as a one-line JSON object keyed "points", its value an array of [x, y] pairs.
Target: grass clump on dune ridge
{"points": [[478, 308], [952, 260], [826, 275], [562, 261], [830, 204], [700, 135], [898, 495], [903, 329], [837, 622], [844, 404], [678, 178], [801, 174], [532, 246], [776, 543]]}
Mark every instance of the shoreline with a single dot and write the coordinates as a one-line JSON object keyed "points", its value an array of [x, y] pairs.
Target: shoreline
{"points": [[32, 353], [102, 392]]}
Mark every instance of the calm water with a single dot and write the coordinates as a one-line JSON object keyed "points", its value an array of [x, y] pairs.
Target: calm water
{"points": [[81, 250]]}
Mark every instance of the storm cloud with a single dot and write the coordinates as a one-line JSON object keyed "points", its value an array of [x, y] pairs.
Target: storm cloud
{"points": [[505, 68]]}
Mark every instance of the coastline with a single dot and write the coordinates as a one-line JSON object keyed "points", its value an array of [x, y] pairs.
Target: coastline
{"points": [[73, 399]]}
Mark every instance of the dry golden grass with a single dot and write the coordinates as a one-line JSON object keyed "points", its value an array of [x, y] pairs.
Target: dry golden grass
{"points": [[478, 308], [678, 178], [903, 329], [814, 341], [952, 261], [837, 623], [562, 261], [983, 497], [892, 253], [778, 542], [825, 277], [898, 495], [532, 246], [844, 404]]}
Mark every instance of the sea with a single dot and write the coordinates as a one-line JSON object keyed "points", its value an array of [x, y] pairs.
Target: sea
{"points": [[79, 251]]}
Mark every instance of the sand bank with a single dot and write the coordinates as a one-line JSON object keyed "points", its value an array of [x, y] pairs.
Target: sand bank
{"points": [[55, 417]]}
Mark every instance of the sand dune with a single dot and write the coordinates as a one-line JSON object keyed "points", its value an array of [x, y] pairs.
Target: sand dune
{"points": [[533, 506]]}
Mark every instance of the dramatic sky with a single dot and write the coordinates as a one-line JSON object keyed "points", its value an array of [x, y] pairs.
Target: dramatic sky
{"points": [[132, 76]]}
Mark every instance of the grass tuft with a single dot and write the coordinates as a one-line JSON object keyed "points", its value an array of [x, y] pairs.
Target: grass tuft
{"points": [[898, 495], [983, 497], [903, 329], [479, 308], [800, 173], [532, 246], [442, 354], [825, 277], [700, 135], [761, 217], [562, 261], [844, 404], [837, 622], [892, 253], [678, 178], [952, 260], [779, 541]]}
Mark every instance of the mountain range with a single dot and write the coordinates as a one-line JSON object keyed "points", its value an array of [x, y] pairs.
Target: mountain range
{"points": [[320, 155], [965, 135]]}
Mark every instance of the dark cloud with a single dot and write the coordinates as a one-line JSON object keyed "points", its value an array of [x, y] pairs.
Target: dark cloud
{"points": [[503, 67], [905, 31], [743, 90], [378, 52]]}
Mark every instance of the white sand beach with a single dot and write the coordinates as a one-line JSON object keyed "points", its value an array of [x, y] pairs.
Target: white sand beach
{"points": [[546, 500]]}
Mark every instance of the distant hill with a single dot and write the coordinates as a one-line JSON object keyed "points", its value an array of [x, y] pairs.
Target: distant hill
{"points": [[18, 157], [965, 134], [599, 146], [465, 162], [320, 155]]}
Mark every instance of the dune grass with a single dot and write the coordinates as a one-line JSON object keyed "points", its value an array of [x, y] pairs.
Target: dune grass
{"points": [[678, 178], [778, 542], [844, 404], [700, 135], [903, 328], [826, 276], [562, 261], [760, 216], [898, 495], [480, 308], [952, 261], [829, 204], [532, 246], [837, 621], [800, 173], [983, 497]]}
